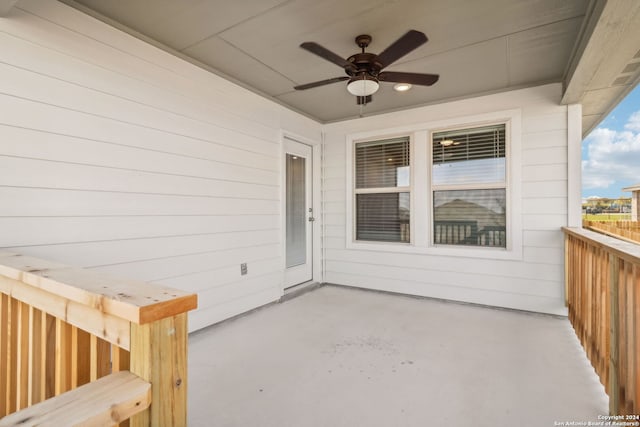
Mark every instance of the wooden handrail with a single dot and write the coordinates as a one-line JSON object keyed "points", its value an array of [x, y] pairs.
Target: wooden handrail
{"points": [[625, 230], [62, 327], [620, 248], [602, 279], [135, 301]]}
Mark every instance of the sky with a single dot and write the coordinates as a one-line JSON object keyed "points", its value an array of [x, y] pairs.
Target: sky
{"points": [[611, 152]]}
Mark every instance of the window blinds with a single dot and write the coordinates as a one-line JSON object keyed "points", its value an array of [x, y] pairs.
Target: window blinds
{"points": [[486, 142], [383, 217], [380, 164]]}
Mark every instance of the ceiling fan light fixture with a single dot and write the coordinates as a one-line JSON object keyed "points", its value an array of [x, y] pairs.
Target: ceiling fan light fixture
{"points": [[401, 87], [364, 86]]}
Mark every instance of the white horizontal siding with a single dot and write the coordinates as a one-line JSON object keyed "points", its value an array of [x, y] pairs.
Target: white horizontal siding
{"points": [[190, 264], [216, 313], [109, 252], [119, 157], [534, 282], [442, 264], [59, 230]]}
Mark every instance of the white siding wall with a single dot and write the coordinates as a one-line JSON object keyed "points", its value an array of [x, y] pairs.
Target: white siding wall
{"points": [[534, 280], [121, 158]]}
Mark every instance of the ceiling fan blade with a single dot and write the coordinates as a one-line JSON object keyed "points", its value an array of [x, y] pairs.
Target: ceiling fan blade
{"points": [[321, 83], [413, 78], [405, 44], [325, 53]]}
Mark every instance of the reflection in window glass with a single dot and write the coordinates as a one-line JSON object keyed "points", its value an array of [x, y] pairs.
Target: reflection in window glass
{"points": [[470, 217]]}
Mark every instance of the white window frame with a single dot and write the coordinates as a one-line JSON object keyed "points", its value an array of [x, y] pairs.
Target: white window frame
{"points": [[472, 186], [404, 189], [421, 199]]}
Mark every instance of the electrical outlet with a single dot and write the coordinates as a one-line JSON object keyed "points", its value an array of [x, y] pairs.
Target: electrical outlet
{"points": [[243, 269]]}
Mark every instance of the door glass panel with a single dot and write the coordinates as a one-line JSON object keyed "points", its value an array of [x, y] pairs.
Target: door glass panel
{"points": [[296, 211]]}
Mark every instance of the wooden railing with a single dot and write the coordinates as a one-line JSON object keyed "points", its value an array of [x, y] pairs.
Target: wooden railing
{"points": [[602, 279], [67, 334], [455, 232], [626, 230]]}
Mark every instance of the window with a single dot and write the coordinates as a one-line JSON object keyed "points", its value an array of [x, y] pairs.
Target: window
{"points": [[451, 187], [469, 188], [382, 190]]}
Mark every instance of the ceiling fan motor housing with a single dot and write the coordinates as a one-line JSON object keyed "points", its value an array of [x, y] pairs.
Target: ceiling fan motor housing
{"points": [[364, 62]]}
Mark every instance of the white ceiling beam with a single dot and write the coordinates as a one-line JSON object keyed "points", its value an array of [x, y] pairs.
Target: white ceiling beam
{"points": [[6, 5]]}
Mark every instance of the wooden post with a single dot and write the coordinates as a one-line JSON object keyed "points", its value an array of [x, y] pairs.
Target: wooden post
{"points": [[159, 355], [614, 396], [567, 267], [4, 354]]}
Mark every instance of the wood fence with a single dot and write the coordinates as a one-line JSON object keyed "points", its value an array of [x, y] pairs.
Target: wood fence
{"points": [[79, 348], [602, 279], [627, 230]]}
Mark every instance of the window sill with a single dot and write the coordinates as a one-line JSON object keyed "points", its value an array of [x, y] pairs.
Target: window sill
{"points": [[440, 250]]}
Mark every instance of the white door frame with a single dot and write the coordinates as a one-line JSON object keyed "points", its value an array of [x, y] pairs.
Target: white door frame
{"points": [[317, 274]]}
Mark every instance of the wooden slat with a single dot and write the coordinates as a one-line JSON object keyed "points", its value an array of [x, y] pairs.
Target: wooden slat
{"points": [[22, 350], [120, 359], [13, 355], [100, 358], [106, 401], [37, 355], [136, 301], [50, 357], [80, 357], [630, 381], [614, 394], [63, 357]]}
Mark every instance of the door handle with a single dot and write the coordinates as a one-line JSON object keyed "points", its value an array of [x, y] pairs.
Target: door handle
{"points": [[311, 219]]}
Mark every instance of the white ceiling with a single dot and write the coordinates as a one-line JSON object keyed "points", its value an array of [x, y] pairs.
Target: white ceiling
{"points": [[477, 46]]}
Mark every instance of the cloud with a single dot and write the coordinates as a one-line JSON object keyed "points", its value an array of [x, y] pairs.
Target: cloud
{"points": [[634, 122], [612, 156]]}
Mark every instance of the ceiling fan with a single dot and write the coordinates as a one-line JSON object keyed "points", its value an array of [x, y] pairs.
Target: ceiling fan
{"points": [[364, 69]]}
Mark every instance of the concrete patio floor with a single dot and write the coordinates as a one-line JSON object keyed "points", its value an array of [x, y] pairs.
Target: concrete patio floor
{"points": [[346, 357]]}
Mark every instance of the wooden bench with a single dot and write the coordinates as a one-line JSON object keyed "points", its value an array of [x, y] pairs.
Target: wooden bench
{"points": [[107, 401]]}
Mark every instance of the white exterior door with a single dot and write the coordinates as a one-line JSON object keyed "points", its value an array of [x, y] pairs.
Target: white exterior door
{"points": [[298, 213]]}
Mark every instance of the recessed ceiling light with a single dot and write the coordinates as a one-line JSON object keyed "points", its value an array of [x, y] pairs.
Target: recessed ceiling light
{"points": [[401, 87]]}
